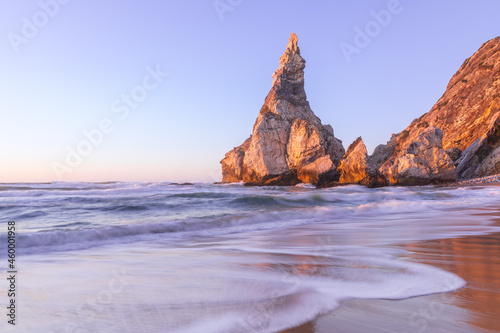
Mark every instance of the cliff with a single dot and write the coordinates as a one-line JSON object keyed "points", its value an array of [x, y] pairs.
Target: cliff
{"points": [[468, 116]]}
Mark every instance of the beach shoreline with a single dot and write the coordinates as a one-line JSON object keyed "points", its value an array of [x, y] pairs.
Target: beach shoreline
{"points": [[487, 180], [239, 259], [473, 308], [491, 180]]}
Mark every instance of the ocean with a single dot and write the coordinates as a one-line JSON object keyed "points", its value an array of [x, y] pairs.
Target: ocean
{"points": [[188, 258]]}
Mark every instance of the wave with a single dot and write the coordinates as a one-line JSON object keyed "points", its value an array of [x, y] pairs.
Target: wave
{"points": [[125, 208], [70, 225], [78, 235], [160, 210], [292, 297], [349, 225], [32, 214], [202, 195]]}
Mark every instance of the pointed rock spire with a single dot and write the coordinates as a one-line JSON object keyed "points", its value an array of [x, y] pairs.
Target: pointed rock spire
{"points": [[291, 58], [288, 79], [289, 144]]}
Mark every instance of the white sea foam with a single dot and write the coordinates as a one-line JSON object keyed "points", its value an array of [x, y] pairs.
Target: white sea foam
{"points": [[224, 258], [214, 287]]}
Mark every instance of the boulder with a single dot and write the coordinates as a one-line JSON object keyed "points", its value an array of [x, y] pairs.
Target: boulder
{"points": [[421, 162], [319, 170], [355, 167], [454, 153]]}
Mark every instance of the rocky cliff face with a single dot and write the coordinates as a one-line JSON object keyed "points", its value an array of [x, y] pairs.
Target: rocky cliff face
{"points": [[482, 157], [423, 161], [466, 114], [288, 144]]}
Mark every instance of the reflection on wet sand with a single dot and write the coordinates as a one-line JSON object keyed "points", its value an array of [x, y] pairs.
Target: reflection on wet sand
{"points": [[474, 308], [477, 260], [306, 328]]}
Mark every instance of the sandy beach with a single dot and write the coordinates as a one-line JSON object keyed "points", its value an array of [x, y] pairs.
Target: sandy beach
{"points": [[473, 308]]}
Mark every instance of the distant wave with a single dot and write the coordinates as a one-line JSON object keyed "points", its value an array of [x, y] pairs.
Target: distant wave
{"points": [[162, 210]]}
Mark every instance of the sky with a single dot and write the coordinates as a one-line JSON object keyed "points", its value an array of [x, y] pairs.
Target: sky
{"points": [[129, 90]]}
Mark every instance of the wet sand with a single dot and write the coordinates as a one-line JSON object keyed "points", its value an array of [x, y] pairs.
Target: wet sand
{"points": [[474, 308]]}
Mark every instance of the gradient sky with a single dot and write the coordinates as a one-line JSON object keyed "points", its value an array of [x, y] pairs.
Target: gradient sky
{"points": [[70, 74]]}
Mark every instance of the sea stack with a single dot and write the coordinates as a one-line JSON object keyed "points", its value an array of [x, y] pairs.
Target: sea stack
{"points": [[288, 144]]}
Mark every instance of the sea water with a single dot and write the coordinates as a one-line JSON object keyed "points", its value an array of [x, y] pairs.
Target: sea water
{"points": [[164, 257]]}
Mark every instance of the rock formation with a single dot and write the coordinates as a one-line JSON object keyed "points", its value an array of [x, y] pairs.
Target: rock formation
{"points": [[454, 153], [420, 162], [355, 167], [458, 138], [482, 157], [467, 114], [288, 144]]}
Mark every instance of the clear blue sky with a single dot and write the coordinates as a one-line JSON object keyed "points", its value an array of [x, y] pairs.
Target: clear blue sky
{"points": [[67, 72]]}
